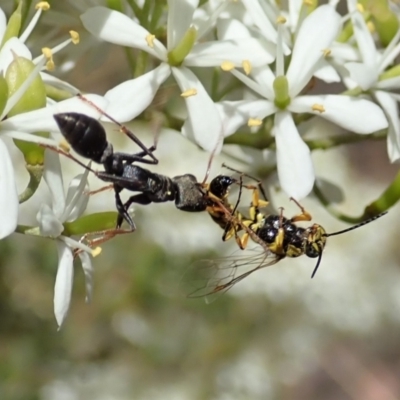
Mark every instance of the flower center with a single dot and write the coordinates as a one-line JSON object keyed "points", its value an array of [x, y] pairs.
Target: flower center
{"points": [[281, 90], [178, 54]]}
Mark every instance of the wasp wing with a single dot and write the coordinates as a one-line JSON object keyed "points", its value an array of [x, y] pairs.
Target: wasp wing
{"points": [[210, 278]]}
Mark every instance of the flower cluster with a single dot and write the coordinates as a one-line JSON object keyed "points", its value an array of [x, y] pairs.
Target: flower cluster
{"points": [[248, 72]]}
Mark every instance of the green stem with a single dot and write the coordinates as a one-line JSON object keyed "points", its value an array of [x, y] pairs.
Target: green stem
{"points": [[230, 87], [136, 9], [387, 199], [158, 11], [257, 140], [337, 214], [141, 64], [35, 176]]}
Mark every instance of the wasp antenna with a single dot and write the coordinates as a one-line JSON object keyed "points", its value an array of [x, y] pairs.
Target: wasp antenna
{"points": [[318, 262], [356, 226]]}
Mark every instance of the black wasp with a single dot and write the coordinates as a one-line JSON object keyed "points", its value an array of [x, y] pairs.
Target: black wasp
{"points": [[88, 138]]}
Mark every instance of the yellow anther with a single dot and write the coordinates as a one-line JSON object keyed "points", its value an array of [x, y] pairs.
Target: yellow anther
{"points": [[371, 26], [189, 92], [281, 20], [49, 55], [327, 52], [254, 122], [150, 40], [246, 66], [74, 37], [308, 3], [96, 251], [64, 145], [227, 66], [318, 107], [47, 52], [42, 5], [360, 7]]}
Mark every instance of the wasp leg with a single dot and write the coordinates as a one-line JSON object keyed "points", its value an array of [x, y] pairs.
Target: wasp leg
{"points": [[258, 182], [277, 246], [304, 216]]}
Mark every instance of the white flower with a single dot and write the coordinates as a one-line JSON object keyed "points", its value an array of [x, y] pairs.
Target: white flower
{"points": [[12, 48], [366, 73], [18, 127], [281, 92], [51, 219], [132, 97]]}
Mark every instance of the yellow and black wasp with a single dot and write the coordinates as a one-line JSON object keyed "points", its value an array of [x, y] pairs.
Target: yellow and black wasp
{"points": [[277, 236]]}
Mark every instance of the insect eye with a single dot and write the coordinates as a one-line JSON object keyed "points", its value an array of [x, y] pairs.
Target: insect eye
{"points": [[312, 250]]}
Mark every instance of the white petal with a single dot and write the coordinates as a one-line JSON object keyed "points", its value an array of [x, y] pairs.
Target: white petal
{"points": [[64, 281], [212, 54], [11, 47], [365, 41], [260, 20], [203, 124], [265, 78], [8, 194], [28, 137], [58, 83], [354, 114], [231, 28], [180, 17], [295, 7], [42, 119], [49, 224], [130, 98], [54, 180], [235, 114], [77, 197], [390, 53], [316, 34], [364, 74], [389, 104], [115, 27], [344, 52], [262, 90], [88, 271], [295, 167], [389, 84], [326, 72]]}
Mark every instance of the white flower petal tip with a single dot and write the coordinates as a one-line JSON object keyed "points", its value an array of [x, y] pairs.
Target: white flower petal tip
{"points": [[115, 27], [364, 74], [356, 115], [49, 224], [63, 285], [203, 125], [88, 271], [9, 203], [295, 167], [316, 33], [130, 98]]}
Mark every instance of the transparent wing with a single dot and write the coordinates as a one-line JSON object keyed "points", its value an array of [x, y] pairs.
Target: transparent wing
{"points": [[211, 277]]}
